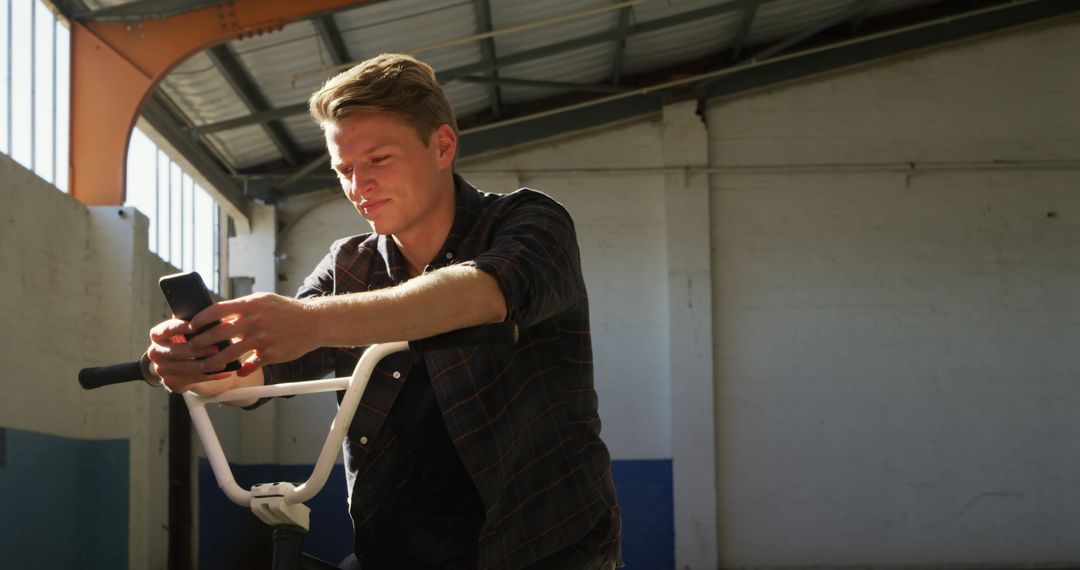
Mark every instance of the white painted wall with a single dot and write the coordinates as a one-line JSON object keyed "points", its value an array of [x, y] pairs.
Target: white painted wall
{"points": [[251, 250], [894, 352], [78, 286], [620, 224], [896, 356], [251, 253], [896, 368]]}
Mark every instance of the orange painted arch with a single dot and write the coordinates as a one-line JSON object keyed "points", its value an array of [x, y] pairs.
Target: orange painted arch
{"points": [[116, 65]]}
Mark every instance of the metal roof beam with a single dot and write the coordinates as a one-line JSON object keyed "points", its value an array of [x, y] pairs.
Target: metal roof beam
{"points": [[890, 44], [602, 37], [140, 10], [487, 48], [744, 30], [778, 47], [863, 9], [1012, 14], [157, 111], [267, 187], [767, 73], [641, 102], [244, 86], [330, 35], [305, 171], [253, 119], [565, 85], [521, 57], [478, 141], [618, 58]]}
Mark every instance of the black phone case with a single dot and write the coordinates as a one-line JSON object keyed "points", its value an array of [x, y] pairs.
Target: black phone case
{"points": [[187, 295]]}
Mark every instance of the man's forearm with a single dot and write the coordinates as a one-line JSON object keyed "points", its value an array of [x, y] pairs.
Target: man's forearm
{"points": [[444, 300]]}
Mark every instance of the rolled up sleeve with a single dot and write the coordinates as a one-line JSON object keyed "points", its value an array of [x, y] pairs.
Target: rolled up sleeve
{"points": [[535, 258]]}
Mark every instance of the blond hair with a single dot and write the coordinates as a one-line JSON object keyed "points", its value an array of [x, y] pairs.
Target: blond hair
{"points": [[389, 83]]}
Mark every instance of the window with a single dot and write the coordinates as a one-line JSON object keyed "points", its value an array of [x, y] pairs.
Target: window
{"points": [[35, 86], [185, 228], [34, 98]]}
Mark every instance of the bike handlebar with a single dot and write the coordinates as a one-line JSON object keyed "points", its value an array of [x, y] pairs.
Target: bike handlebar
{"points": [[497, 333], [98, 376], [90, 378]]}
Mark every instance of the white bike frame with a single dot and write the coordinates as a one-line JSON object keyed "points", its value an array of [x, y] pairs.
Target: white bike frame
{"points": [[282, 503]]}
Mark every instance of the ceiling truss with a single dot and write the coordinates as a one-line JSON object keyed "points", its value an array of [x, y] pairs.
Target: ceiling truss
{"points": [[852, 37]]}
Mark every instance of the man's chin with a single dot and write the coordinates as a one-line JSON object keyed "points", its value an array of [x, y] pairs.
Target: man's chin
{"points": [[381, 229], [368, 219]]}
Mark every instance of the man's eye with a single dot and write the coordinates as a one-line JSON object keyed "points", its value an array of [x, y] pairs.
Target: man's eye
{"points": [[380, 159], [345, 170]]}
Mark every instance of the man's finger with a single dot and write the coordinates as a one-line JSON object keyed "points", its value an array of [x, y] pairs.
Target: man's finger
{"points": [[233, 352], [215, 312], [224, 331], [178, 368], [250, 364], [180, 351], [165, 330]]}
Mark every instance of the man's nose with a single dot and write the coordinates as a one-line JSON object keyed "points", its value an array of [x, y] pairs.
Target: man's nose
{"points": [[350, 189], [358, 185]]}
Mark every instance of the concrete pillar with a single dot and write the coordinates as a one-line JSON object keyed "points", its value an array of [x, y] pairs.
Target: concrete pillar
{"points": [[686, 199], [251, 254], [117, 280]]}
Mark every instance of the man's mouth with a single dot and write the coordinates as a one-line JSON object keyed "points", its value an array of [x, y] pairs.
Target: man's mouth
{"points": [[370, 206]]}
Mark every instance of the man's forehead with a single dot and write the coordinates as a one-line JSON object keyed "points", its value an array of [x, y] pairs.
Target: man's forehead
{"points": [[355, 141], [366, 130]]}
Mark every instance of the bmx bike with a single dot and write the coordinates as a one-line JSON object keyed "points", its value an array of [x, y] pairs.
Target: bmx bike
{"points": [[281, 504]]}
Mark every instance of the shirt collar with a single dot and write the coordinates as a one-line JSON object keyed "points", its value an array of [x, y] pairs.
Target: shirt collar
{"points": [[466, 212]]}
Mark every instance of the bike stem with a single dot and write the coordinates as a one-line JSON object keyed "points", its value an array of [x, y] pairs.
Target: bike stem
{"points": [[282, 503]]}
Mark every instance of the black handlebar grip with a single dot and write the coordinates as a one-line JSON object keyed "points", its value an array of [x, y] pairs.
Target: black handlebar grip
{"points": [[498, 333], [98, 376]]}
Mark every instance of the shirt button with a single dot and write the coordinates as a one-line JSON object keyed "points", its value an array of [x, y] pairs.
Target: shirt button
{"points": [[449, 255], [363, 440], [397, 374]]}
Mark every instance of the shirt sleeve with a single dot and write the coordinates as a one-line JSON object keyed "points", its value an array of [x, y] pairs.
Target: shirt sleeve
{"points": [[535, 258]]}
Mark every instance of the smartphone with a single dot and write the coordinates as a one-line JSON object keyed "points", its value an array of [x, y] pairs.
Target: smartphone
{"points": [[187, 295]]}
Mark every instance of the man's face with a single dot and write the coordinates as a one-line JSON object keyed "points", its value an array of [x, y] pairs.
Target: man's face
{"points": [[391, 176]]}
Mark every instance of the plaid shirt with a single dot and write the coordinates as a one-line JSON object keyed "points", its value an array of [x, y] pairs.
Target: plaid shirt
{"points": [[523, 418]]}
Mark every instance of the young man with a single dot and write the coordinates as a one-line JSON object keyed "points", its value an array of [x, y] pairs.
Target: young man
{"points": [[486, 457]]}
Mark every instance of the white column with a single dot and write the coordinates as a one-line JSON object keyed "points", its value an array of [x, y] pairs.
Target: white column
{"points": [[120, 284], [686, 197], [251, 253]]}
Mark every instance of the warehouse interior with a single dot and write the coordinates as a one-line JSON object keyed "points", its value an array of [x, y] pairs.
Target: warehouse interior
{"points": [[830, 249]]}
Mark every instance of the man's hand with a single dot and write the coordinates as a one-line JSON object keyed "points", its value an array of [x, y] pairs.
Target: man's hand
{"points": [[265, 327], [174, 360]]}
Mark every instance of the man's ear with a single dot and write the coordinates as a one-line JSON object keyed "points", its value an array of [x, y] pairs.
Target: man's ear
{"points": [[445, 140]]}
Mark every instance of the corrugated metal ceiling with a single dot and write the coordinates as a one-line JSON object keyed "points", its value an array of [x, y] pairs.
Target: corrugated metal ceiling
{"points": [[540, 48]]}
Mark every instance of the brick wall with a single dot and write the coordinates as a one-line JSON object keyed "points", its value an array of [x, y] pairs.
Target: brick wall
{"points": [[78, 291]]}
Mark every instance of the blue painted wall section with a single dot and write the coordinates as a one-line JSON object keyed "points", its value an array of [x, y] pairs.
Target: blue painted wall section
{"points": [[65, 502], [231, 537], [648, 512]]}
